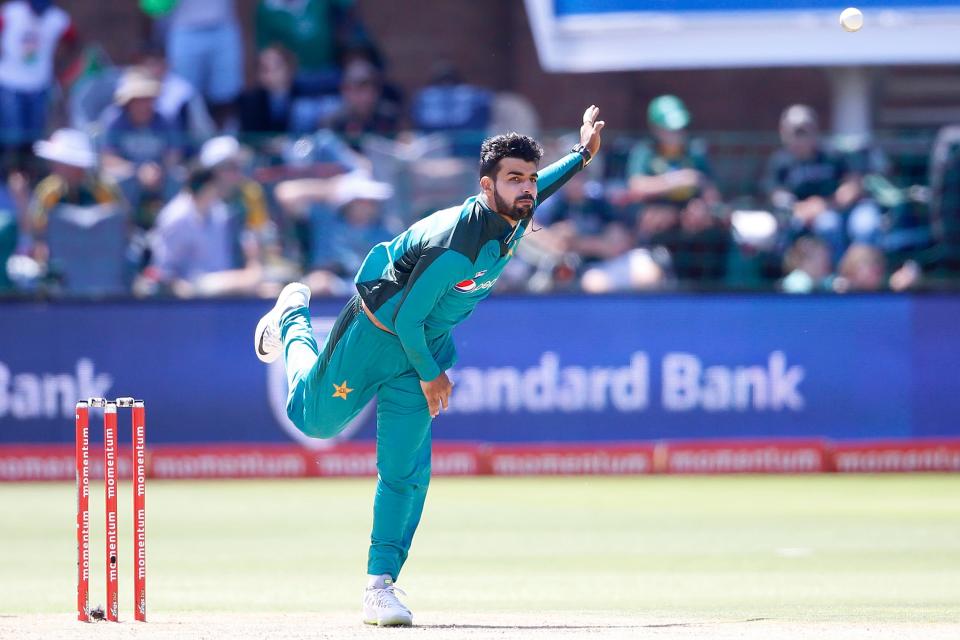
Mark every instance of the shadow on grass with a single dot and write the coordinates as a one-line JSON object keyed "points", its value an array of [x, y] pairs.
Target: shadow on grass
{"points": [[573, 627]]}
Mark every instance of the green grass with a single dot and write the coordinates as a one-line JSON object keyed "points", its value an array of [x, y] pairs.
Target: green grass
{"points": [[821, 548]]}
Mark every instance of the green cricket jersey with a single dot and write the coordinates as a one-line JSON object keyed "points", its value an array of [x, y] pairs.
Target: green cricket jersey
{"points": [[428, 279]]}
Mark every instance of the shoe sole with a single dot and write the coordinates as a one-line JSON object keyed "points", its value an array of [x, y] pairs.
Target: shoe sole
{"points": [[386, 623], [266, 358]]}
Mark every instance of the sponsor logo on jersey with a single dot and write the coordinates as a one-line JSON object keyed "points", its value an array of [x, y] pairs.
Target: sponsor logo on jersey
{"points": [[472, 285]]}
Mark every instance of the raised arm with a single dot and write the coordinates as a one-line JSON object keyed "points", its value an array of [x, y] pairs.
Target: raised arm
{"points": [[551, 178]]}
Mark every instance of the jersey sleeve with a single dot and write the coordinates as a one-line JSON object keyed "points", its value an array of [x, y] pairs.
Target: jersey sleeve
{"points": [[556, 175], [437, 271]]}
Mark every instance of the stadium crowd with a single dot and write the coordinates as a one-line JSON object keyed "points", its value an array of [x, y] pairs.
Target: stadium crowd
{"points": [[170, 177]]}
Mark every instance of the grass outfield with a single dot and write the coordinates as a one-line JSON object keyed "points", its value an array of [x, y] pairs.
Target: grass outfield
{"points": [[815, 555]]}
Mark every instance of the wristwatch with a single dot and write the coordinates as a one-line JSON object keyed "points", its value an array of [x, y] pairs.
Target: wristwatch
{"points": [[584, 152]]}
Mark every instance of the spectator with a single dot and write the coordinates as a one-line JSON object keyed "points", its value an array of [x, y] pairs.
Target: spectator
{"points": [[639, 269], [72, 181], [808, 265], [192, 245], [364, 109], [673, 171], [31, 33], [267, 108], [579, 220], [344, 219], [700, 245], [140, 147], [672, 181], [204, 45], [177, 101], [250, 225], [817, 189], [450, 105], [8, 236], [862, 268], [316, 32]]}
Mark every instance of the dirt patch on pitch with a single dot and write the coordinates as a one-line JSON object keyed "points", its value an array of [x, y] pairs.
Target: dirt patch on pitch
{"points": [[444, 626]]}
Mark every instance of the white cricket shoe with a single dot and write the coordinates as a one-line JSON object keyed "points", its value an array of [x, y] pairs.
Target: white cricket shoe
{"points": [[266, 339], [382, 607]]}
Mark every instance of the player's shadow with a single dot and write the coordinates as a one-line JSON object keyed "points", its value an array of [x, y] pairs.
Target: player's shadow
{"points": [[573, 627]]}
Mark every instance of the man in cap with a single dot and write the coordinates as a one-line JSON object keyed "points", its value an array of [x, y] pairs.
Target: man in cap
{"points": [[244, 198], [673, 170], [671, 179], [139, 145]]}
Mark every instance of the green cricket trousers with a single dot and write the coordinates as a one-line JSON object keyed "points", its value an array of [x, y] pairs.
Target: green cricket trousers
{"points": [[327, 390]]}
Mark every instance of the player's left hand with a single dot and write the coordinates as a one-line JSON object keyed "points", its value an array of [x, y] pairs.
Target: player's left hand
{"points": [[590, 130]]}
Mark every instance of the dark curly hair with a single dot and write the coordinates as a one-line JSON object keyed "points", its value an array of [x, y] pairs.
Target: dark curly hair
{"points": [[508, 145]]}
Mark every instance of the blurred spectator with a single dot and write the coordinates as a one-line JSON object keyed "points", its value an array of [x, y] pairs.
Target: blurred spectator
{"points": [[204, 45], [450, 105], [30, 33], [344, 220], [700, 245], [945, 199], [639, 269], [673, 171], [364, 110], [864, 268], [140, 146], [672, 180], [192, 245], [267, 108], [74, 184], [579, 220], [8, 235], [808, 265], [817, 189], [177, 101], [251, 228], [316, 32]]}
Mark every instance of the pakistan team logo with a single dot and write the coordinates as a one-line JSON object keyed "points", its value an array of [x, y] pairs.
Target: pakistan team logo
{"points": [[277, 394]]}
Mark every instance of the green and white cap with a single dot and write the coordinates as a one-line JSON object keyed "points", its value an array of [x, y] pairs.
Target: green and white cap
{"points": [[668, 112]]}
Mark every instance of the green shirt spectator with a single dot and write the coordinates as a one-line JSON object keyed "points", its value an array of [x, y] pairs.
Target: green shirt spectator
{"points": [[652, 160], [673, 170], [308, 28]]}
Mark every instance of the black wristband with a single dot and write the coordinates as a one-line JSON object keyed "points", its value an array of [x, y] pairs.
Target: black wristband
{"points": [[584, 152]]}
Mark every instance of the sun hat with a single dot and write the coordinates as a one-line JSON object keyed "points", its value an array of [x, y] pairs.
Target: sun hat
{"points": [[136, 83], [218, 150], [67, 146]]}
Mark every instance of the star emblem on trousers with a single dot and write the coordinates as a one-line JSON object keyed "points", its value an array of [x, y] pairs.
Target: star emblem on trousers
{"points": [[341, 390]]}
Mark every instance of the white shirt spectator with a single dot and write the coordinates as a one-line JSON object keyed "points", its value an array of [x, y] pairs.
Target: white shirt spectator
{"points": [[28, 43], [188, 244]]}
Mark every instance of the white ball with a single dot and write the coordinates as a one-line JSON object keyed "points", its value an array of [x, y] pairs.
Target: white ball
{"points": [[851, 19]]}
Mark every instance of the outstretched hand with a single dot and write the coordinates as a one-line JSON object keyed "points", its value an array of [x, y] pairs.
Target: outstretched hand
{"points": [[590, 130]]}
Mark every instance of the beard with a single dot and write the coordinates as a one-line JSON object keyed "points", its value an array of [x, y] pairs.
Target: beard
{"points": [[521, 209]]}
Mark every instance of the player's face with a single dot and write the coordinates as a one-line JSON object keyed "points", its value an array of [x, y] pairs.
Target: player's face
{"points": [[515, 188]]}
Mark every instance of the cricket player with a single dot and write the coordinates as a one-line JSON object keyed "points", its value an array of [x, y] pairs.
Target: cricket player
{"points": [[393, 339]]}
